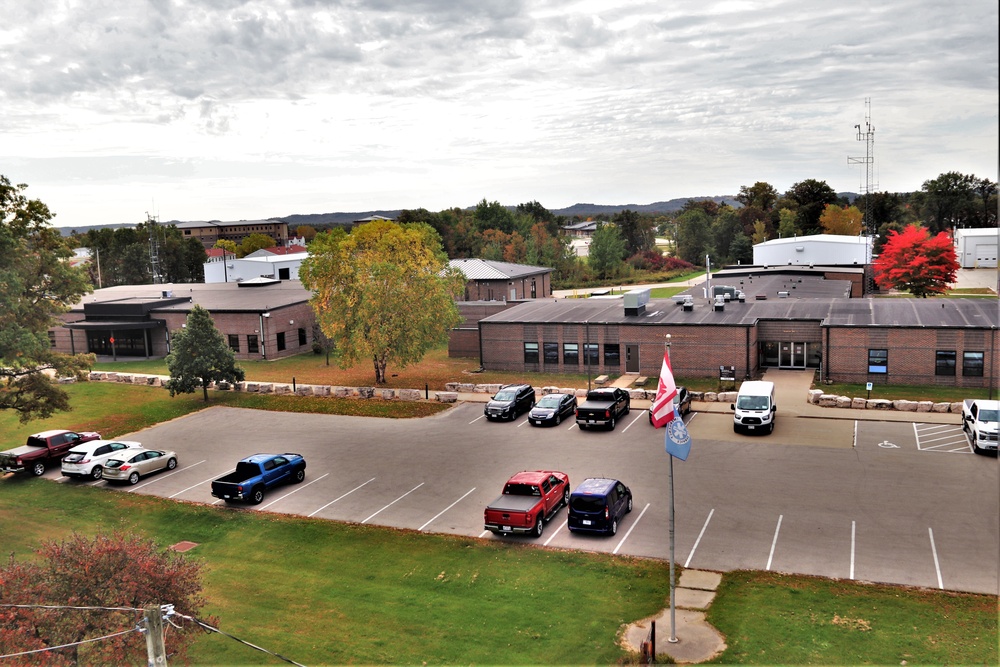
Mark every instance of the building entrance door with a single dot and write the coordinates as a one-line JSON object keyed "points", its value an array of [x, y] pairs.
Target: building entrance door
{"points": [[791, 355], [631, 358]]}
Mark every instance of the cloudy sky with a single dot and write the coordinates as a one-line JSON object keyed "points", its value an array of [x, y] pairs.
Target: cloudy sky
{"points": [[225, 109]]}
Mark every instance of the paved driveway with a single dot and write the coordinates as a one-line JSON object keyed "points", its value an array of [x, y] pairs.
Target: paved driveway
{"points": [[877, 501]]}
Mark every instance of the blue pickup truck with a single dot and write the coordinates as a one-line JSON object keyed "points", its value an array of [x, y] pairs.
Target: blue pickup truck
{"points": [[255, 474]]}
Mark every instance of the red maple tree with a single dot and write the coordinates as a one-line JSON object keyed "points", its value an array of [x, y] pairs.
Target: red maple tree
{"points": [[915, 261], [88, 582]]}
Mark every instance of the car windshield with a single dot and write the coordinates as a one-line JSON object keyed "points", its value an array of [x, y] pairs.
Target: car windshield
{"points": [[113, 463], [752, 402], [504, 396], [550, 401], [988, 415]]}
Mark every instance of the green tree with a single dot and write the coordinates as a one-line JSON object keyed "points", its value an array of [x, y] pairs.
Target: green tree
{"points": [[36, 284], [607, 251], [383, 292], [786, 224], [227, 245], [255, 242], [307, 232], [917, 262], [494, 215], [637, 231], [760, 195], [954, 200], [694, 235], [112, 571], [199, 356], [811, 197]]}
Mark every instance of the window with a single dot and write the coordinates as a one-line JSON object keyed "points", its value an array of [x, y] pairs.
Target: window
{"points": [[591, 354], [234, 342], [972, 364], [252, 344], [551, 351], [302, 337], [612, 355], [531, 353], [944, 362], [571, 354], [281, 340], [52, 338], [878, 361]]}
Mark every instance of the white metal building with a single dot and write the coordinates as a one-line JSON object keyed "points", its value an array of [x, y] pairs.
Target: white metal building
{"points": [[256, 265], [977, 248], [819, 250]]}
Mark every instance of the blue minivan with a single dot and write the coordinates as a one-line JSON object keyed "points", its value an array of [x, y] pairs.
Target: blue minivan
{"points": [[598, 505]]}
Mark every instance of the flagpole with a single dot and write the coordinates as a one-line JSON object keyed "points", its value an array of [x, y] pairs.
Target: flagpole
{"points": [[673, 623]]}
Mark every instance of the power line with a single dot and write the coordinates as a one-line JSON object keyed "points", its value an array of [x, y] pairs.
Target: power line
{"points": [[59, 606], [246, 643], [79, 643]]}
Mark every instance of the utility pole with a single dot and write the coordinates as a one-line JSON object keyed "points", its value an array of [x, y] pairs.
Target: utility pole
{"points": [[155, 650]]}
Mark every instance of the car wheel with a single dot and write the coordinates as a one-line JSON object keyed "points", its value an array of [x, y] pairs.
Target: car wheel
{"points": [[975, 445], [628, 408], [539, 526], [558, 419], [171, 463], [614, 527], [38, 469], [566, 497], [629, 507], [97, 472], [611, 424], [133, 479], [257, 497], [299, 476]]}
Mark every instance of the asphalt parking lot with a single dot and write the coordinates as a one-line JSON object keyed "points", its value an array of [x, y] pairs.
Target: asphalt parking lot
{"points": [[894, 502]]}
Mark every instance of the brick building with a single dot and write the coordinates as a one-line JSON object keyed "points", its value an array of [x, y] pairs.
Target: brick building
{"points": [[502, 281], [261, 319], [783, 321], [213, 230]]}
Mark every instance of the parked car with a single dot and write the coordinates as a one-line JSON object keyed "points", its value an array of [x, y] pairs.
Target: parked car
{"points": [[598, 505], [682, 402], [255, 474], [87, 460], [552, 408], [510, 401], [529, 499], [130, 465], [603, 407], [43, 449]]}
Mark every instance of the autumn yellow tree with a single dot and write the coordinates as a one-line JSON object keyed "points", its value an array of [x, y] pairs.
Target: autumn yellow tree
{"points": [[841, 220], [383, 292]]}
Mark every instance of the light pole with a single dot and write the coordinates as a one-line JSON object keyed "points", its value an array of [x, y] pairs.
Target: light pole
{"points": [[673, 596]]}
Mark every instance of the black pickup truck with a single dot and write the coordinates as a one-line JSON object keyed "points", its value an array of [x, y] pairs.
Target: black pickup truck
{"points": [[602, 408]]}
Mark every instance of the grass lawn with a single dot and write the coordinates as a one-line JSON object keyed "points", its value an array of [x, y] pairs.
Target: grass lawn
{"points": [[321, 592]]}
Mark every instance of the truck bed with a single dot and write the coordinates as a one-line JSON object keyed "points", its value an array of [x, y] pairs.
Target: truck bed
{"points": [[507, 503]]}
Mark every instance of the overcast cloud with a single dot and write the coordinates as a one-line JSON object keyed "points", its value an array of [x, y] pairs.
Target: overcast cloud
{"points": [[222, 109]]}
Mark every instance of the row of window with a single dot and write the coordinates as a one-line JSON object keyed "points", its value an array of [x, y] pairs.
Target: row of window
{"points": [[253, 344], [945, 362], [571, 354]]}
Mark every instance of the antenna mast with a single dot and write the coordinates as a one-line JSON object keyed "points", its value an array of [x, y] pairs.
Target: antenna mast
{"points": [[154, 248], [867, 225]]}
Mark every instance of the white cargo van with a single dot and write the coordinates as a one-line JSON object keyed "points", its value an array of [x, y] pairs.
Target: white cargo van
{"points": [[754, 407]]}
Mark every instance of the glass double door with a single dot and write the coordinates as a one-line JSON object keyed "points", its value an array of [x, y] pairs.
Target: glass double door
{"points": [[790, 354]]}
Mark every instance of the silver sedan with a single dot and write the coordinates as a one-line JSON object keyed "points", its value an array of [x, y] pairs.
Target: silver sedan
{"points": [[132, 464]]}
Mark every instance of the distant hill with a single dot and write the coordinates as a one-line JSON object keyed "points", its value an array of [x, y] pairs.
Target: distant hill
{"points": [[581, 210]]}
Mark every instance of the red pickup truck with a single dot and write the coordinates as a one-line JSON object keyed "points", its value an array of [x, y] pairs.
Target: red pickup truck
{"points": [[41, 449], [529, 499]]}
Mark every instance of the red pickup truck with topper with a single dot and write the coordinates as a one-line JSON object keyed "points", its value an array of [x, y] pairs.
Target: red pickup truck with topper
{"points": [[529, 499], [41, 449]]}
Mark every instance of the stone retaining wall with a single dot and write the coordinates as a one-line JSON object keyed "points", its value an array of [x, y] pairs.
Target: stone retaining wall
{"points": [[453, 389]]}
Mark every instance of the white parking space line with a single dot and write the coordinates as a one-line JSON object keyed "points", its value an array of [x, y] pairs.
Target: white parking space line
{"points": [[774, 541], [296, 490], [948, 438], [394, 502], [853, 534], [162, 476], [855, 443], [700, 535], [484, 534], [195, 486], [634, 420], [937, 564], [341, 497], [446, 509], [553, 535], [522, 423], [630, 529]]}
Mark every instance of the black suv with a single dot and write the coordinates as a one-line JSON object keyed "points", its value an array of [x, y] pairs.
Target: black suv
{"points": [[598, 504], [510, 401]]}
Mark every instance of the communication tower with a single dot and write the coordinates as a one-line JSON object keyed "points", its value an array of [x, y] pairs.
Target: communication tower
{"points": [[153, 226], [867, 135]]}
